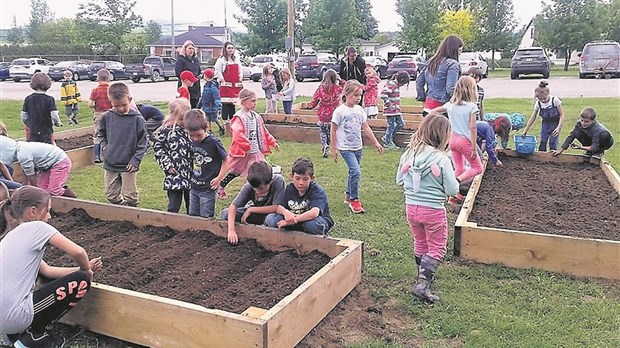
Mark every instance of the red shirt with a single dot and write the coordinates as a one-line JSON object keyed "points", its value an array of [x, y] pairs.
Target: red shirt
{"points": [[328, 101], [183, 92], [100, 96]]}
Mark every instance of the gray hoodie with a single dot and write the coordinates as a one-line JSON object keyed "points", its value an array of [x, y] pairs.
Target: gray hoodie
{"points": [[428, 177], [123, 140]]}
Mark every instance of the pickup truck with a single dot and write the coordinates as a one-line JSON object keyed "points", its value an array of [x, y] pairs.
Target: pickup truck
{"points": [[153, 68]]}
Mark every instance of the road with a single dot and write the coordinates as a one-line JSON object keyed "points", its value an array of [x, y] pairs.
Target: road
{"points": [[563, 87]]}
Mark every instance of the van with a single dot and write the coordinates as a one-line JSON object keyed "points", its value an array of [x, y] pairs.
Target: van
{"points": [[600, 58]]}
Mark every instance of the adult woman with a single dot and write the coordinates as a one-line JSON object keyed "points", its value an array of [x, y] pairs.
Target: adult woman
{"points": [[440, 74], [188, 61], [229, 73]]}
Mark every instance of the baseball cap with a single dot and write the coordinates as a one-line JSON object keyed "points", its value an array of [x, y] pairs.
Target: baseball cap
{"points": [[188, 75], [208, 73]]}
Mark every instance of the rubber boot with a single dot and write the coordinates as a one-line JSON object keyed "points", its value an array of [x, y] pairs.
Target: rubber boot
{"points": [[97, 151], [427, 270], [68, 192]]}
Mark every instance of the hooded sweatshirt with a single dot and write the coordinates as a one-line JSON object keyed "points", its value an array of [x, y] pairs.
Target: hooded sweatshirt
{"points": [[123, 139], [428, 177]]}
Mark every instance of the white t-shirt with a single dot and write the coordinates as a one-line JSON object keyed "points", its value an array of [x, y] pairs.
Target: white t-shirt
{"points": [[349, 121], [21, 251], [459, 115], [556, 102]]}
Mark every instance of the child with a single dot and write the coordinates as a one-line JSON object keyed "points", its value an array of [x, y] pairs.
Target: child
{"points": [[153, 117], [268, 83], [327, 97], [348, 122], [51, 162], [187, 80], [503, 123], [592, 135], [6, 171], [100, 103], [210, 163], [486, 134], [39, 112], [426, 174], [26, 313], [172, 148], [391, 107], [287, 94], [210, 102], [371, 92], [123, 138], [303, 207], [477, 74], [257, 198], [462, 111], [550, 110], [250, 140], [70, 97]]}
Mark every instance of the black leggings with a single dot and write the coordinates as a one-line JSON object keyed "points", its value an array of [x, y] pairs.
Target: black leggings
{"points": [[228, 111], [56, 298]]}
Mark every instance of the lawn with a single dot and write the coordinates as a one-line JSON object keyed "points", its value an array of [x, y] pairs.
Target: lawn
{"points": [[481, 306], [556, 71]]}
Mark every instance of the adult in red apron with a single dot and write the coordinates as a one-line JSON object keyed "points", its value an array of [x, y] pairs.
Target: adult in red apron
{"points": [[229, 72]]}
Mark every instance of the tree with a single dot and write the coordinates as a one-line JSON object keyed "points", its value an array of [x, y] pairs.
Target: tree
{"points": [[15, 35], [331, 24], [152, 31], [64, 31], [613, 27], [456, 5], [496, 25], [461, 23], [419, 29], [567, 25], [368, 23], [266, 21], [39, 14], [301, 13]]}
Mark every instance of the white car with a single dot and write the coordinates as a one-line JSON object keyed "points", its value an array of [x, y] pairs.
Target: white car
{"points": [[261, 60], [469, 60], [24, 68]]}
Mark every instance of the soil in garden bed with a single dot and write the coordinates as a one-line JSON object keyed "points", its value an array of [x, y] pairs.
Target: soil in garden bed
{"points": [[572, 199], [75, 143], [192, 266]]}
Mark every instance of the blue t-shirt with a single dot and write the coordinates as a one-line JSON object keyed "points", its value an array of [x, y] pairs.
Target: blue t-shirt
{"points": [[459, 115], [314, 197], [151, 112], [207, 158]]}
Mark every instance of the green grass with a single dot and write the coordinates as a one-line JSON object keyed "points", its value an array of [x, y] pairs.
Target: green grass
{"points": [[556, 71], [482, 305]]}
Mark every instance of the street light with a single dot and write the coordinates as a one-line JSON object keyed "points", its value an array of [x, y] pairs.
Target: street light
{"points": [[172, 53]]}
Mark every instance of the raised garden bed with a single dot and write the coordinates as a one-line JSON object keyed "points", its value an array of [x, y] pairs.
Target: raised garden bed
{"points": [[554, 213], [192, 288]]}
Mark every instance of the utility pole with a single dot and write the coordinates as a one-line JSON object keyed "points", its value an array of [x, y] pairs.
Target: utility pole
{"points": [[172, 44], [225, 16], [289, 43]]}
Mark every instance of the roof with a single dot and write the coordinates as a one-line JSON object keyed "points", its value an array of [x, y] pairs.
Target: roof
{"points": [[199, 35]]}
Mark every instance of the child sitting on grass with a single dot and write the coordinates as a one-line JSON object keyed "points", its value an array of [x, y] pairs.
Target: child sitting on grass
{"points": [[592, 135], [303, 207], [256, 199]]}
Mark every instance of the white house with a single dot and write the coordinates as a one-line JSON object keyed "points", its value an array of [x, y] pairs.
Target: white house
{"points": [[529, 40]]}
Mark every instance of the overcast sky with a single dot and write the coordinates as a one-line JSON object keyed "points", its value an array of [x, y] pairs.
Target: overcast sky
{"points": [[185, 11]]}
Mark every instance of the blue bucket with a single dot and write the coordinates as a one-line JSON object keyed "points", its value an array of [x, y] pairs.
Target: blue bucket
{"points": [[525, 144]]}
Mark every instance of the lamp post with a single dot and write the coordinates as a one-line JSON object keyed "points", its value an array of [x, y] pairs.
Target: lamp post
{"points": [[172, 53]]}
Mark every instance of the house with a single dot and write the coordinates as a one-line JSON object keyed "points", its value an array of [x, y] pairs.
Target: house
{"points": [[529, 40], [207, 39]]}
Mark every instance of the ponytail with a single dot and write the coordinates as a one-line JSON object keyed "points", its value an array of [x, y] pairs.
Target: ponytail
{"points": [[12, 209]]}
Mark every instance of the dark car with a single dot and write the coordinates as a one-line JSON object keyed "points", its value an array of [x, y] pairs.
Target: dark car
{"points": [[78, 68], [4, 71], [410, 63], [313, 66], [379, 64], [116, 69], [531, 60]]}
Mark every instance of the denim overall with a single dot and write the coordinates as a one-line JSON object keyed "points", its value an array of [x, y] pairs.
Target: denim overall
{"points": [[550, 121]]}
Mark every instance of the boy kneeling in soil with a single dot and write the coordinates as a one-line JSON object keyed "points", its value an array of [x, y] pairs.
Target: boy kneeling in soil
{"points": [[304, 205], [592, 135], [257, 198]]}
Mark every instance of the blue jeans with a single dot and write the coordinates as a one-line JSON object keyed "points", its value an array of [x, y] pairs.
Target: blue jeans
{"points": [[545, 135], [254, 219], [175, 197], [395, 123], [320, 225], [202, 203], [353, 159], [287, 106]]}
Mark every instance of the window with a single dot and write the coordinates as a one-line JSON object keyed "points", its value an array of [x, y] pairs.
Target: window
{"points": [[205, 55]]}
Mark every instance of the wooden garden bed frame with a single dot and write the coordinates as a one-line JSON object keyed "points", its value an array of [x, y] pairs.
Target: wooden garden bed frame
{"points": [[161, 322], [586, 257]]}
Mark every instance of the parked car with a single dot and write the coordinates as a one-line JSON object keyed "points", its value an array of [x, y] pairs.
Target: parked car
{"points": [[4, 71], [24, 68], [468, 60], [531, 60], [600, 59], [79, 70], [315, 65], [259, 61], [153, 68], [411, 63], [247, 71], [116, 69], [379, 64]]}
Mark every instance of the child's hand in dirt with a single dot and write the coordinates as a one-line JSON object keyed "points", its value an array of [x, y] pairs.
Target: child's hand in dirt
{"points": [[498, 164], [557, 152], [232, 237], [96, 264]]}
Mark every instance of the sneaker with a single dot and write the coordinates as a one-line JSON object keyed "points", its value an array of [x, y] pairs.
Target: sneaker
{"points": [[391, 146], [30, 340], [75, 120], [597, 155], [68, 192], [383, 140], [458, 199], [356, 206], [222, 131], [325, 151], [587, 154], [5, 340], [221, 193]]}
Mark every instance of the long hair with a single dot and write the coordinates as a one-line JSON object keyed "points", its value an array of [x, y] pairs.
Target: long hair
{"points": [[434, 131], [185, 44], [349, 88], [330, 79], [449, 48], [244, 95], [224, 51], [501, 126], [177, 109], [12, 209], [465, 91]]}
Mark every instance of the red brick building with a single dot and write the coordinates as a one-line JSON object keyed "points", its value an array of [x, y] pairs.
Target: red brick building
{"points": [[207, 39]]}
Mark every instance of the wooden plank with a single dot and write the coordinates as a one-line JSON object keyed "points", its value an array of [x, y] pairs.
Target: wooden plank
{"points": [[415, 109], [74, 132], [611, 174], [576, 256], [310, 134], [254, 312], [159, 322], [312, 120], [79, 158], [406, 116], [547, 157], [291, 319]]}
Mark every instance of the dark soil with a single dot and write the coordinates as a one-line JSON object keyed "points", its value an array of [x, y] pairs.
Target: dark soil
{"points": [[572, 199], [75, 143]]}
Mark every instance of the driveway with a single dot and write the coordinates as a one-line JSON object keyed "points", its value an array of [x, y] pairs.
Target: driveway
{"points": [[563, 87]]}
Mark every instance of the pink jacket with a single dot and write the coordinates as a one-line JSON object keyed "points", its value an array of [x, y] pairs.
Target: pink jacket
{"points": [[371, 97], [327, 101], [240, 143]]}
